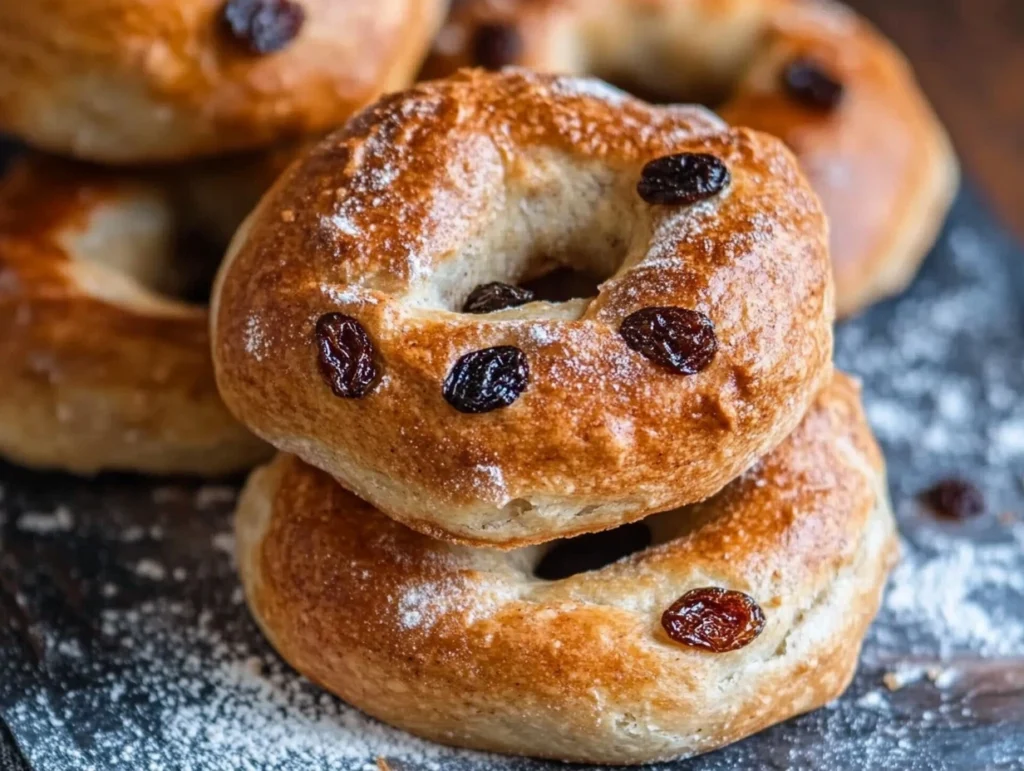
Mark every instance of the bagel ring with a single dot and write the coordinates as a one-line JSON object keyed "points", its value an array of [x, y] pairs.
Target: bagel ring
{"points": [[707, 341], [101, 369], [812, 73], [468, 647], [124, 82]]}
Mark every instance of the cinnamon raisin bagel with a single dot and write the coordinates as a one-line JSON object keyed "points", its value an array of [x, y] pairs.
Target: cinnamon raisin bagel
{"points": [[119, 81], [743, 611], [812, 73], [368, 270], [102, 367]]}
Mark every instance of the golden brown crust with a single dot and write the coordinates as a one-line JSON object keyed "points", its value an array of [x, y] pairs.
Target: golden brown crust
{"points": [[464, 646], [125, 82], [394, 219], [101, 372], [881, 162]]}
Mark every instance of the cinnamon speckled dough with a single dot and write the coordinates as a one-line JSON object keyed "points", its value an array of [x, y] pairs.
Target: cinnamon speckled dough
{"points": [[102, 367], [396, 218], [465, 646], [880, 161], [123, 81]]}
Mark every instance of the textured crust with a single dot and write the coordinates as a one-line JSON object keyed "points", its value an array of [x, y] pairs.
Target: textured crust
{"points": [[121, 81], [100, 372], [394, 219], [882, 163], [465, 647]]}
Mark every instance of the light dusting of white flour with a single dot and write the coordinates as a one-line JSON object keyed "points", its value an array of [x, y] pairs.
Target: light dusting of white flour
{"points": [[59, 520], [151, 569], [255, 342], [966, 596]]}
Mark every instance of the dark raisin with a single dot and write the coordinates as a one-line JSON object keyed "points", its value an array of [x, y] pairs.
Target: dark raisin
{"points": [[684, 178], [676, 338], [807, 82], [346, 355], [263, 26], [717, 620], [487, 380], [495, 296], [954, 499], [496, 45]]}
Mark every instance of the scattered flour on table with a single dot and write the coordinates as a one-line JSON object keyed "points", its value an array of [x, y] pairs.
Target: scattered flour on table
{"points": [[963, 595], [216, 703], [60, 520]]}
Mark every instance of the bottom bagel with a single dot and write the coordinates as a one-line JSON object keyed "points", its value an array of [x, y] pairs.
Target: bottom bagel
{"points": [[468, 647]]}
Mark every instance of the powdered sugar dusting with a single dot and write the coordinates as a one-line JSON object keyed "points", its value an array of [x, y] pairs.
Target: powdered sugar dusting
{"points": [[59, 520], [255, 342], [589, 87], [423, 605]]}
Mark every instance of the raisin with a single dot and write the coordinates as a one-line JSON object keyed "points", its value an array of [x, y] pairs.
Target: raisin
{"points": [[715, 619], [684, 178], [487, 380], [676, 338], [496, 45], [263, 26], [954, 499], [496, 296], [346, 355], [808, 83]]}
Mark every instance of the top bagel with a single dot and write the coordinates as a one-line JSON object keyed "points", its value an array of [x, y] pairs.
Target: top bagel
{"points": [[702, 349], [812, 73], [120, 81]]}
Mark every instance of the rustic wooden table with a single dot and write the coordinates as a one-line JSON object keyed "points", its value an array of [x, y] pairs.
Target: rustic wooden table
{"points": [[969, 56]]}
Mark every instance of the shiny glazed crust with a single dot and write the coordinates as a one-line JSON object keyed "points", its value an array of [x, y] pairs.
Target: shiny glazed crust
{"points": [[465, 647], [100, 372], [881, 163], [396, 218], [123, 81]]}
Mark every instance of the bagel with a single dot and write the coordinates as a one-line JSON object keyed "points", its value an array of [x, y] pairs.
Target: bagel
{"points": [[812, 73], [468, 647], [702, 349], [102, 367], [119, 81]]}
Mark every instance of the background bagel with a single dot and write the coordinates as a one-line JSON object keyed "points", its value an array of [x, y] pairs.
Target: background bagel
{"points": [[121, 81], [467, 647], [850, 109], [496, 177], [102, 367]]}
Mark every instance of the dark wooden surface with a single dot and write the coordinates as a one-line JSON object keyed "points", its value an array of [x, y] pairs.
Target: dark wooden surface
{"points": [[969, 56]]}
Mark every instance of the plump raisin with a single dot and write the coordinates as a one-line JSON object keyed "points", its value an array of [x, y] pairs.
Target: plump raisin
{"points": [[684, 178], [346, 355], [807, 82], [263, 26], [676, 338], [487, 380], [496, 45], [954, 499], [714, 619], [495, 296]]}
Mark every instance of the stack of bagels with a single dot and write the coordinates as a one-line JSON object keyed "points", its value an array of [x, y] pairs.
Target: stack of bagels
{"points": [[621, 524], [154, 128]]}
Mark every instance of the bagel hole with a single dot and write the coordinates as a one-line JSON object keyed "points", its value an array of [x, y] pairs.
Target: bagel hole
{"points": [[678, 54], [196, 257], [141, 236], [592, 551], [563, 284]]}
